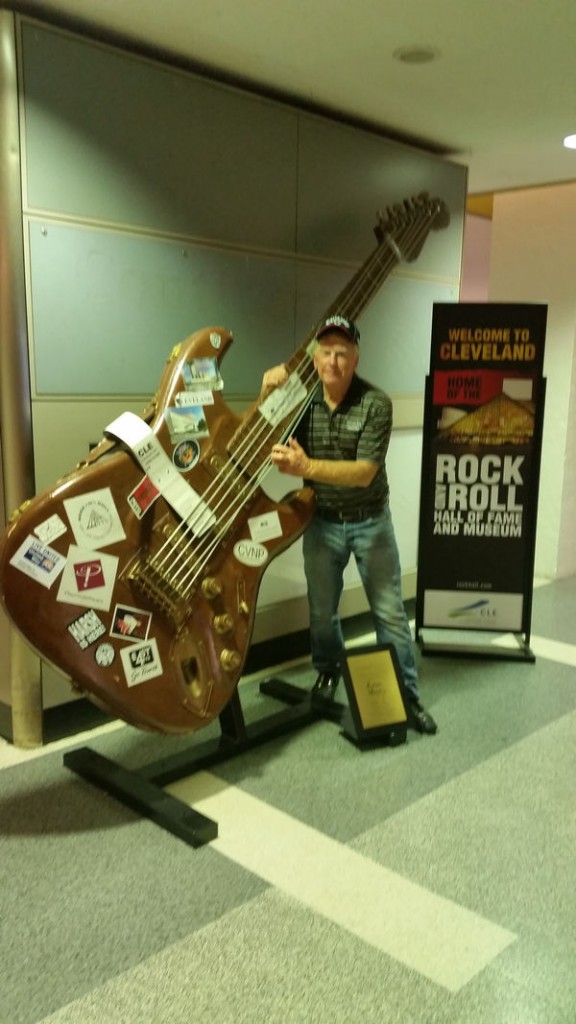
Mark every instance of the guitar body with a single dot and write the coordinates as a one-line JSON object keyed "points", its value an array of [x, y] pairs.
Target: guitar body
{"points": [[137, 575], [155, 625]]}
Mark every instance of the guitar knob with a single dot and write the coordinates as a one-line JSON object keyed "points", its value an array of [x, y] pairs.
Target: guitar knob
{"points": [[211, 587], [230, 660], [223, 623]]}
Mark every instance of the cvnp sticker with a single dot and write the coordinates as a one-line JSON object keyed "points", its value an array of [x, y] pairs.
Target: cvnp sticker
{"points": [[250, 552]]}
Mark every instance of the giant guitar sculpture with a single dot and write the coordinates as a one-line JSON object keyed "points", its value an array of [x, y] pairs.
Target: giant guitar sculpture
{"points": [[137, 575]]}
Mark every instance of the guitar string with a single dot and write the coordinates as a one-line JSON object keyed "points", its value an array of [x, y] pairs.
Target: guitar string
{"points": [[305, 359], [287, 428], [260, 428], [211, 541], [247, 448], [255, 482]]}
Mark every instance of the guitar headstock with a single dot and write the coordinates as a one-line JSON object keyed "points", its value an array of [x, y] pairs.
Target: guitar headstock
{"points": [[405, 226]]}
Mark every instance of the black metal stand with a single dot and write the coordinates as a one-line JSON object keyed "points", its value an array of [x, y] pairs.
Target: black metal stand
{"points": [[142, 789], [478, 649]]}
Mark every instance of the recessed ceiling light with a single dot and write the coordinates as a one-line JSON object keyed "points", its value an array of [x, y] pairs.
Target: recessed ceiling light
{"points": [[570, 142], [416, 54]]}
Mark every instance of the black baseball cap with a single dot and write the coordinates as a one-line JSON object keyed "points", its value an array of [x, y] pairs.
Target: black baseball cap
{"points": [[341, 324]]}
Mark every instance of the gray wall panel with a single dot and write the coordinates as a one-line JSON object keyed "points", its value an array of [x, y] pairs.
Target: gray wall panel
{"points": [[395, 333], [112, 138], [108, 308], [347, 175]]}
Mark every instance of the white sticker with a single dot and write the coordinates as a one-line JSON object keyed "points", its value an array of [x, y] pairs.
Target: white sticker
{"points": [[250, 552], [38, 561], [94, 519], [204, 397], [283, 399], [130, 623], [104, 655], [50, 529], [147, 449], [86, 629], [141, 662], [265, 527], [88, 578], [473, 609]]}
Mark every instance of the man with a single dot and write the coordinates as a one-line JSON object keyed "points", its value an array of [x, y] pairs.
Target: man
{"points": [[340, 451]]}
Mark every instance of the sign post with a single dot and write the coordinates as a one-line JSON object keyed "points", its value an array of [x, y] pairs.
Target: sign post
{"points": [[484, 410]]}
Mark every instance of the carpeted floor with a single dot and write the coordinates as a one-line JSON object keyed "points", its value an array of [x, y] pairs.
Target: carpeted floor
{"points": [[428, 883]]}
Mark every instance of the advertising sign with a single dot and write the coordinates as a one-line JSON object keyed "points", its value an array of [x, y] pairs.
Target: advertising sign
{"points": [[480, 467]]}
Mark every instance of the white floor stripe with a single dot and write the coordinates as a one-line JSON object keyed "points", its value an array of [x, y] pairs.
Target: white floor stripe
{"points": [[441, 940], [553, 650]]}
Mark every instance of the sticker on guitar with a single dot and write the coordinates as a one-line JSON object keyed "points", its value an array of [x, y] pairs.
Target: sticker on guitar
{"points": [[141, 662], [94, 519], [39, 561], [88, 579], [86, 629]]}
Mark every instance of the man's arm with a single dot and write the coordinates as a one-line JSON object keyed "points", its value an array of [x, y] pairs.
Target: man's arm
{"points": [[291, 458]]}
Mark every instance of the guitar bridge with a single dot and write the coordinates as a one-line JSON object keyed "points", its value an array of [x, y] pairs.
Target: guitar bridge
{"points": [[161, 588]]}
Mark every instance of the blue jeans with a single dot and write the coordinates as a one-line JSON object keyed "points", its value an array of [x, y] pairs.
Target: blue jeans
{"points": [[327, 548]]}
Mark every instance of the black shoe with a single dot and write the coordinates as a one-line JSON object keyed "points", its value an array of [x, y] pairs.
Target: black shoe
{"points": [[422, 720], [325, 685]]}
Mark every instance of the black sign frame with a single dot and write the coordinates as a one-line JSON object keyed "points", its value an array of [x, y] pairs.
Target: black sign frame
{"points": [[481, 456]]}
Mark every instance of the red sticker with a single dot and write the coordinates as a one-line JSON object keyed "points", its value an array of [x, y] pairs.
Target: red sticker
{"points": [[89, 574]]}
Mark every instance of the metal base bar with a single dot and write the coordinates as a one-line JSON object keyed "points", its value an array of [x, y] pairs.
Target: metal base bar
{"points": [[476, 650], [143, 797], [142, 789]]}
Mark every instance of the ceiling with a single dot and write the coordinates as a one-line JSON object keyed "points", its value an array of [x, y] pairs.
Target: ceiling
{"points": [[498, 98]]}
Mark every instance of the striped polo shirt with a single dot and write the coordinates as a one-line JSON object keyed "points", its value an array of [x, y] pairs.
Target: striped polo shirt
{"points": [[359, 428]]}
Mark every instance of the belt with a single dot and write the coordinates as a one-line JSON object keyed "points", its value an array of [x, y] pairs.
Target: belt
{"points": [[334, 515]]}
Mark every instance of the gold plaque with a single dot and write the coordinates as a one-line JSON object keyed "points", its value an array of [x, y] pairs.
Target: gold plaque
{"points": [[376, 695]]}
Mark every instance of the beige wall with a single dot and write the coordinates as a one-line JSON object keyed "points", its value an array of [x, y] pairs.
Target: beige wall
{"points": [[533, 259]]}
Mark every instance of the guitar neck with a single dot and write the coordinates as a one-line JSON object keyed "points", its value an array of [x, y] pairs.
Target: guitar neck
{"points": [[273, 420]]}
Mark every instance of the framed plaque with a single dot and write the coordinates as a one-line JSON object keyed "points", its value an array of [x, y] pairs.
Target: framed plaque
{"points": [[377, 698]]}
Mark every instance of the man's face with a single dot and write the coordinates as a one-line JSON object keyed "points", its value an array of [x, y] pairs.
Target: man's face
{"points": [[335, 359]]}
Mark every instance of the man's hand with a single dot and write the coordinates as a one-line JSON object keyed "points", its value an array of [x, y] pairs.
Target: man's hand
{"points": [[291, 458], [272, 379]]}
